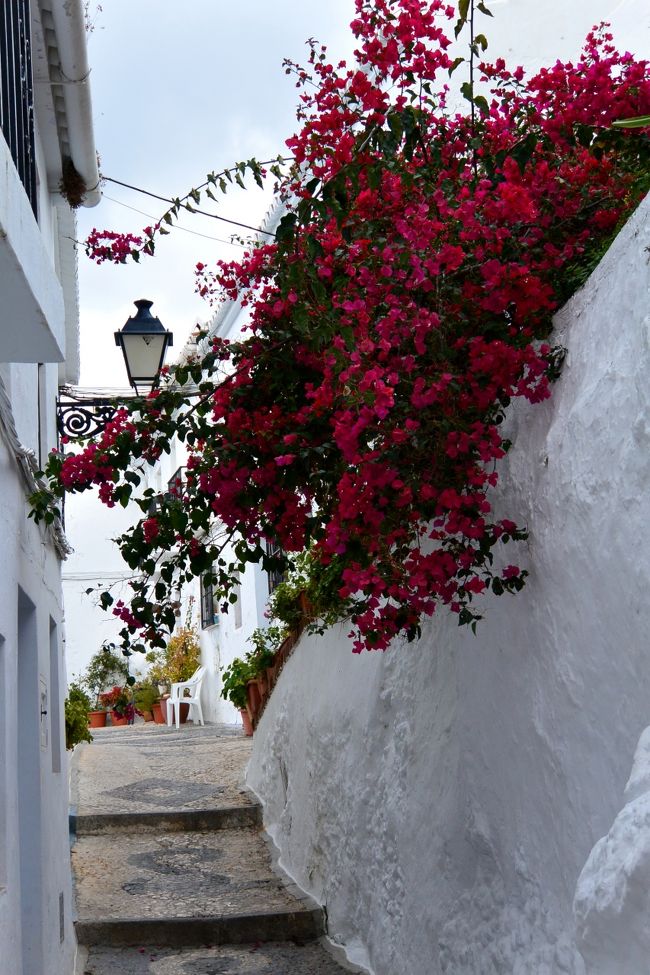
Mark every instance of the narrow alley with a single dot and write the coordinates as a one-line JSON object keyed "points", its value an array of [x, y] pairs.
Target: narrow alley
{"points": [[173, 872]]}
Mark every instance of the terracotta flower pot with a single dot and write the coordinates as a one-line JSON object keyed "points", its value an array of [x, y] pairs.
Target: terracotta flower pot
{"points": [[147, 715], [253, 697], [246, 722], [157, 714], [97, 719], [117, 720]]}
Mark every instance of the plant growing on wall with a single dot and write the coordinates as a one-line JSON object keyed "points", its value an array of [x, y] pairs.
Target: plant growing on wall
{"points": [[234, 679], [405, 300]]}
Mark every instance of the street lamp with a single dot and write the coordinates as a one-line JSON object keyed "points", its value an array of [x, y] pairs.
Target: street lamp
{"points": [[144, 342]]}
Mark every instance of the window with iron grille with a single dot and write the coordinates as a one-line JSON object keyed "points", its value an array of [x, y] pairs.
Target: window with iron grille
{"points": [[209, 602], [276, 576], [17, 91]]}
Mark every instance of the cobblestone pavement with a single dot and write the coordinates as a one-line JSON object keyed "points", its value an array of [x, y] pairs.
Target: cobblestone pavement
{"points": [[173, 873]]}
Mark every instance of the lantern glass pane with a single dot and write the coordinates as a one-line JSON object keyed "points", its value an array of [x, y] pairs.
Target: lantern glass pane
{"points": [[143, 355]]}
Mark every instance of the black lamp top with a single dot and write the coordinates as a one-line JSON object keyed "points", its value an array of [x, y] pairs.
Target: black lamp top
{"points": [[143, 322]]}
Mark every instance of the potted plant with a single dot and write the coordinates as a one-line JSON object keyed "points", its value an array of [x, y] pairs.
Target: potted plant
{"points": [[97, 717], [266, 642], [104, 669], [145, 696], [118, 701], [76, 708], [235, 678]]}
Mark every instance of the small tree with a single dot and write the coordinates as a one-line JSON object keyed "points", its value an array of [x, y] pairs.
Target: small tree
{"points": [[104, 670], [178, 660]]}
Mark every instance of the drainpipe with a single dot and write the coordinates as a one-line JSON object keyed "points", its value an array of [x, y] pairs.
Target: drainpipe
{"points": [[70, 32]]}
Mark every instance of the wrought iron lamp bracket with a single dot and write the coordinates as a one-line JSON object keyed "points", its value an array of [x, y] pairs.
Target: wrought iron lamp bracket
{"points": [[84, 418]]}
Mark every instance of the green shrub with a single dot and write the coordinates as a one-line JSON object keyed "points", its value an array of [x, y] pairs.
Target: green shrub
{"points": [[235, 677], [266, 642], [77, 706], [178, 660], [145, 696]]}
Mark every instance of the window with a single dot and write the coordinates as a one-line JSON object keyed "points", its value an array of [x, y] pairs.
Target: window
{"points": [[176, 485], [17, 93], [209, 602], [276, 575]]}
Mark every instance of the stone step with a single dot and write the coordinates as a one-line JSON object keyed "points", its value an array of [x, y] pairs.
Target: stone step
{"points": [[185, 888], [268, 959], [178, 821], [147, 773], [239, 929]]}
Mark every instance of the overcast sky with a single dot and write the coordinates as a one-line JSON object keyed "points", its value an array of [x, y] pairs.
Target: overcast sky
{"points": [[180, 89]]}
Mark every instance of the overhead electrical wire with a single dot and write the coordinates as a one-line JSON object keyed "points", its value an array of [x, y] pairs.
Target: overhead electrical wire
{"points": [[192, 209], [221, 240]]}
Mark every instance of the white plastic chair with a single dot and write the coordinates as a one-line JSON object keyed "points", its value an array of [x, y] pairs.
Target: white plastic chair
{"points": [[186, 692]]}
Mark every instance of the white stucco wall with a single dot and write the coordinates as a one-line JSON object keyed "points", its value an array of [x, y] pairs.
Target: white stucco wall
{"points": [[95, 560], [35, 885], [442, 799]]}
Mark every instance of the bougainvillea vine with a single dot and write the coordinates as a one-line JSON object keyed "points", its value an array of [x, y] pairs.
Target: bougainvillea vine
{"points": [[406, 298]]}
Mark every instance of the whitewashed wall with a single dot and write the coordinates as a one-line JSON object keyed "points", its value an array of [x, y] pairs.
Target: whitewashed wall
{"points": [[442, 799], [95, 560]]}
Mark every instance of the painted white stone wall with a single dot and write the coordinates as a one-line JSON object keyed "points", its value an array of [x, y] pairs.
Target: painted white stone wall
{"points": [[612, 903], [442, 799], [95, 560], [38, 316]]}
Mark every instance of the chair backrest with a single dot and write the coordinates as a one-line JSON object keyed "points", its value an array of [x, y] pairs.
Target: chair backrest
{"points": [[197, 676], [188, 690]]}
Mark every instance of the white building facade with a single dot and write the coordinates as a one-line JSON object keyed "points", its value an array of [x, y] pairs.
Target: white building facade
{"points": [[45, 131]]}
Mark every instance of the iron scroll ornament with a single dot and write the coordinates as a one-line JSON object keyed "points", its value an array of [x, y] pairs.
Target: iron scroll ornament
{"points": [[77, 419]]}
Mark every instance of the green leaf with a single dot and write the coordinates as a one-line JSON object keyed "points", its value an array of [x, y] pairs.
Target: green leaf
{"points": [[455, 64], [639, 122], [395, 124], [286, 227], [481, 103], [484, 10], [481, 39]]}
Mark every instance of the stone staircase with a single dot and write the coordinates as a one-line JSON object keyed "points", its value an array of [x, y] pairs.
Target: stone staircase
{"points": [[173, 873]]}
